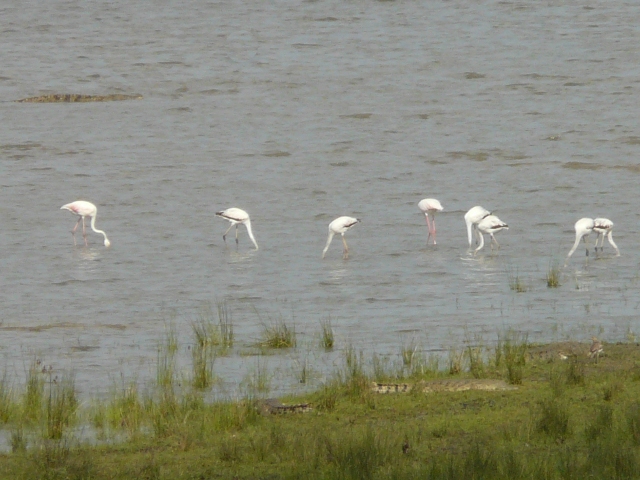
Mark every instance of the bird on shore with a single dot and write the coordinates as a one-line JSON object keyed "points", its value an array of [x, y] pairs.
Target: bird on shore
{"points": [[429, 206], [604, 228], [237, 216], [491, 225], [583, 228], [340, 226], [596, 349], [84, 209], [472, 218]]}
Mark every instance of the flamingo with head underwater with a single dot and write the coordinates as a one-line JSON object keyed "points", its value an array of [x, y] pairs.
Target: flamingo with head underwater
{"points": [[84, 209], [430, 206], [583, 228], [340, 226], [237, 216], [604, 228], [472, 218], [490, 224]]}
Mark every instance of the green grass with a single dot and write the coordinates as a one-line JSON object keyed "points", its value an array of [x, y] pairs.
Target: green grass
{"points": [[258, 381], [567, 419], [327, 339], [61, 405], [553, 274], [517, 283], [206, 337], [278, 335], [33, 397], [6, 400]]}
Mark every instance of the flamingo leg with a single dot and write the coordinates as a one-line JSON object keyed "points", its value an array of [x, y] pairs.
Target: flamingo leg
{"points": [[224, 235], [73, 231], [481, 244], [434, 229], [586, 244], [236, 234], [345, 252], [493, 239], [84, 233], [426, 215], [478, 235]]}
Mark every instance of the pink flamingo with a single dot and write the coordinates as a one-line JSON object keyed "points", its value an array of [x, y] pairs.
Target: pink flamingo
{"points": [[429, 207], [472, 218], [583, 228], [604, 228], [490, 224], [340, 226], [84, 209], [237, 216]]}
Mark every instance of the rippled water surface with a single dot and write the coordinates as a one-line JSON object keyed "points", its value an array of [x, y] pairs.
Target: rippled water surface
{"points": [[300, 112]]}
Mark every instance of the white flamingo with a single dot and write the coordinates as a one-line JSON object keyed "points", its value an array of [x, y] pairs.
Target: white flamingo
{"points": [[583, 228], [490, 224], [472, 218], [429, 206], [84, 209], [604, 227], [339, 226], [237, 216]]}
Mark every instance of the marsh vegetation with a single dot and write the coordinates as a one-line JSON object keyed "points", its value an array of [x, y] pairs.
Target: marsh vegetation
{"points": [[567, 418]]}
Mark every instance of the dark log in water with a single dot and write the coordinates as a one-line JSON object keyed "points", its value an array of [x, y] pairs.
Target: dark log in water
{"points": [[74, 97]]}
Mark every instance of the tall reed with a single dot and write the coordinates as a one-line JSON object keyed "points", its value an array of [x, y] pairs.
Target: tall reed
{"points": [[327, 339], [34, 392], [62, 405]]}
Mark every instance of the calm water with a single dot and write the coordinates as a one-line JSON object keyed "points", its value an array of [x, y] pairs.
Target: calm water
{"points": [[299, 113]]}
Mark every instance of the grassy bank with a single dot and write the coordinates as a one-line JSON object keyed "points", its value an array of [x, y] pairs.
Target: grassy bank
{"points": [[572, 418]]}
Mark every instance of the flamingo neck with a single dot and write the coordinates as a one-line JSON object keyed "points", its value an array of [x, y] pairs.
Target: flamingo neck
{"points": [[93, 227], [326, 247], [481, 243], [610, 238], [469, 230], [575, 245], [248, 225]]}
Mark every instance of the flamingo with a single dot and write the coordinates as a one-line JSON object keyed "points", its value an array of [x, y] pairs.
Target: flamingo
{"points": [[490, 224], [429, 207], [604, 227], [237, 216], [340, 225], [84, 209], [583, 227], [472, 218]]}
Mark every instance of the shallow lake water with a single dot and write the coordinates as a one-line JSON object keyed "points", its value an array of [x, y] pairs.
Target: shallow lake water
{"points": [[300, 112]]}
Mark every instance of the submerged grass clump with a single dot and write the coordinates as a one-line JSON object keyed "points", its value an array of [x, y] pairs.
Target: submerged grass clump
{"points": [[327, 339], [409, 353], [517, 283], [553, 274], [203, 353], [278, 335], [166, 359], [258, 381]]}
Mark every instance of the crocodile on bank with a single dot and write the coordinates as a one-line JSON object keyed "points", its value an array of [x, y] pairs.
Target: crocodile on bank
{"points": [[453, 385], [74, 97], [273, 406]]}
